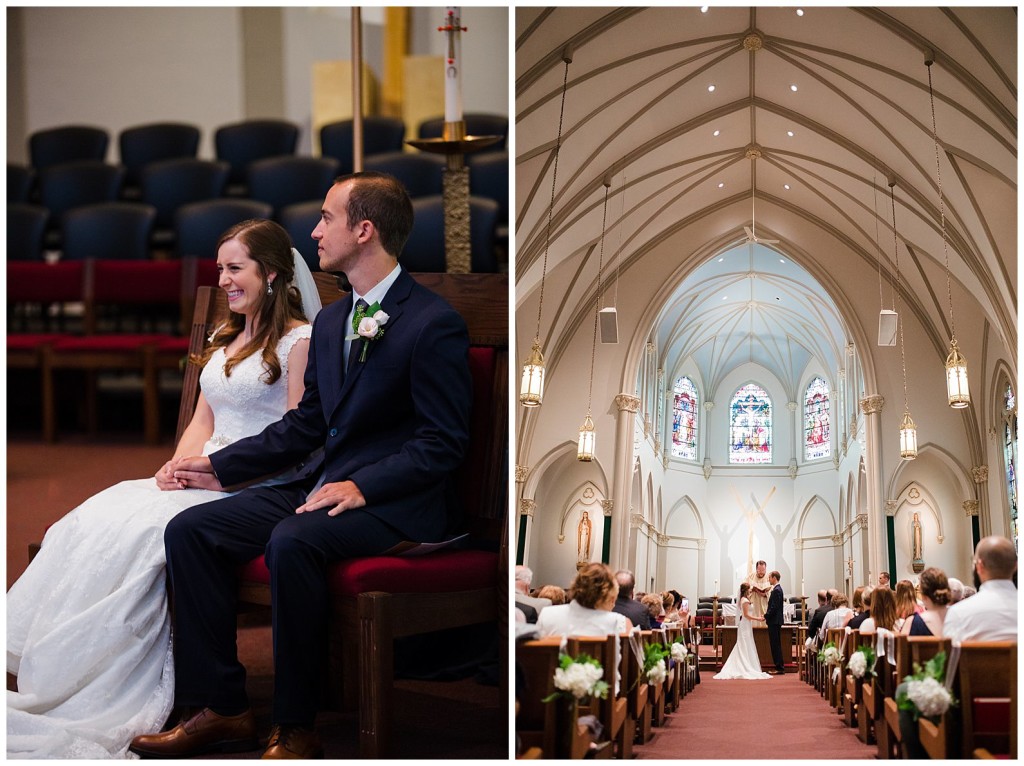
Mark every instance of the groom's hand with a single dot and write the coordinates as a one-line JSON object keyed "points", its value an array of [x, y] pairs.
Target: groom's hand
{"points": [[196, 473], [342, 495]]}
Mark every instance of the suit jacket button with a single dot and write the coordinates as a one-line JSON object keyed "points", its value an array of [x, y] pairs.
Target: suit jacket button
{"points": [[334, 432]]}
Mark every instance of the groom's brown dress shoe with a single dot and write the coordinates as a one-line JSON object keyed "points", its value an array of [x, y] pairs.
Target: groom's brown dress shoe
{"points": [[205, 732], [293, 742]]}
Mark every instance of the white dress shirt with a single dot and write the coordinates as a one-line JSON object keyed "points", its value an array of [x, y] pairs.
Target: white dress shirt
{"points": [[989, 615], [834, 619], [572, 619]]}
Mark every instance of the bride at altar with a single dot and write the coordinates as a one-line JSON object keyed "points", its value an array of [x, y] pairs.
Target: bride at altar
{"points": [[88, 629], [743, 662]]}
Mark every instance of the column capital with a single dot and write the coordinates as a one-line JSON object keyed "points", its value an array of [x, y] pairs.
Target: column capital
{"points": [[663, 539], [522, 471], [837, 539], [661, 373], [702, 543], [862, 519], [607, 506], [872, 404], [636, 520], [971, 507], [664, 460], [527, 507], [791, 406], [798, 543], [708, 406], [980, 474], [890, 507], [650, 347], [627, 403]]}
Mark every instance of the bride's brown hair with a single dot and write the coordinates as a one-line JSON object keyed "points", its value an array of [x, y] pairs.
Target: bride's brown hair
{"points": [[271, 248], [744, 589]]}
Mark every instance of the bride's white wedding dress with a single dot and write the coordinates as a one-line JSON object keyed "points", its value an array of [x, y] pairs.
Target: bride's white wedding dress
{"points": [[88, 631], [743, 662]]}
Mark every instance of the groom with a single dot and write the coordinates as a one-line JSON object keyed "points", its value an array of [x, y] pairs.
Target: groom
{"points": [[773, 621], [390, 411]]}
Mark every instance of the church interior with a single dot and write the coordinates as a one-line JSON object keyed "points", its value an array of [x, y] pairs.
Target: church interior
{"points": [[752, 247]]}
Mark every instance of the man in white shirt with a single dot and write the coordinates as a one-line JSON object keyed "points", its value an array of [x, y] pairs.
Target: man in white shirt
{"points": [[991, 615]]}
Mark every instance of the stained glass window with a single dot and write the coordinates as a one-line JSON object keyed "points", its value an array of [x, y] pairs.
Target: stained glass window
{"points": [[816, 420], [750, 426], [684, 420], [1010, 456]]}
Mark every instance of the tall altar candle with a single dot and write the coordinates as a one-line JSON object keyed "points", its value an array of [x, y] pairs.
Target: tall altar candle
{"points": [[802, 591], [453, 65]]}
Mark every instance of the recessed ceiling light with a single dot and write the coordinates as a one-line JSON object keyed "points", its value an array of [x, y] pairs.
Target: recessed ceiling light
{"points": [[789, 133], [786, 187], [703, 9], [720, 185], [792, 88], [721, 259], [781, 260], [711, 89], [799, 11], [716, 133], [725, 297]]}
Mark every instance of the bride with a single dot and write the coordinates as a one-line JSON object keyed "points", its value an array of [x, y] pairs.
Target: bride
{"points": [[88, 630], [743, 662]]}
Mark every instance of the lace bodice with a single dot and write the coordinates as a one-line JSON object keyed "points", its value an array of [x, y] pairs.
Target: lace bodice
{"points": [[244, 404]]}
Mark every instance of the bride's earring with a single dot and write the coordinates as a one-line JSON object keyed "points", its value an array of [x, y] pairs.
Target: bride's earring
{"points": [[270, 288]]}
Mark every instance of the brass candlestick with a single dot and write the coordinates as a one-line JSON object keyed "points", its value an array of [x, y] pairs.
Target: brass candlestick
{"points": [[455, 144]]}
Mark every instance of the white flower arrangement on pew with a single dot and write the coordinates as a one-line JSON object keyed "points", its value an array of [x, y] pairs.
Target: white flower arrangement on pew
{"points": [[579, 678], [679, 651], [829, 654], [862, 662], [924, 693], [654, 663]]}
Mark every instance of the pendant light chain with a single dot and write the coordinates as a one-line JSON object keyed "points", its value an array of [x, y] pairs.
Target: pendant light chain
{"points": [[896, 251], [554, 181], [942, 210], [597, 302]]}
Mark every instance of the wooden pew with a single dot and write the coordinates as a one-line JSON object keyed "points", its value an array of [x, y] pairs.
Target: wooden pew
{"points": [[986, 687], [851, 684], [656, 692], [613, 710], [873, 692], [638, 693], [909, 649], [831, 684], [550, 726]]}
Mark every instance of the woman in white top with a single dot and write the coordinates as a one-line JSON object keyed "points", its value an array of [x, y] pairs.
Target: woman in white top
{"points": [[590, 612]]}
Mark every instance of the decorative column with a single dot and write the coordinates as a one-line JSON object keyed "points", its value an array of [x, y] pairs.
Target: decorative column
{"points": [[522, 472], [890, 531], [971, 508], [606, 540], [796, 427], [702, 545], [704, 429], [980, 474], [527, 507], [872, 406], [627, 406]]}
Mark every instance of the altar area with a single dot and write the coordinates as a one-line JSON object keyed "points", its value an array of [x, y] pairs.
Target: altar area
{"points": [[788, 638]]}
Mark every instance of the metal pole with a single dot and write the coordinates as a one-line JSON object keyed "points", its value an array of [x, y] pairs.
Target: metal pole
{"points": [[357, 89]]}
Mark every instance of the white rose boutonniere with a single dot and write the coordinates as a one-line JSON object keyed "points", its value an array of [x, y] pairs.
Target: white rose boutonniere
{"points": [[368, 323]]}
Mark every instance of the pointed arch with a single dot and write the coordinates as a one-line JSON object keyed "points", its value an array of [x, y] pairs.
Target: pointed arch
{"points": [[805, 515], [551, 457], [956, 469], [680, 507]]}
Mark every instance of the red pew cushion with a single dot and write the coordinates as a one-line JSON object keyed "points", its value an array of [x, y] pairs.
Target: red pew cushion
{"points": [[440, 572]]}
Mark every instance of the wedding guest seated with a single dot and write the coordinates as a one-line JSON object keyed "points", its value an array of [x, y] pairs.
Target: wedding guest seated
{"points": [[991, 615], [553, 593], [857, 602], [936, 595], [838, 617], [883, 580], [858, 619], [686, 618], [883, 611], [626, 604], [655, 609], [906, 602], [670, 599], [594, 592], [956, 590], [969, 590], [824, 607], [530, 605]]}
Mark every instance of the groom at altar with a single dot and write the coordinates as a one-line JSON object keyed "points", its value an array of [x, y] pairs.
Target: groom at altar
{"points": [[773, 621], [390, 412]]}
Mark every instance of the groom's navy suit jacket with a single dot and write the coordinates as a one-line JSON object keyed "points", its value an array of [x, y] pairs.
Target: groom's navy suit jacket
{"points": [[774, 613], [396, 424]]}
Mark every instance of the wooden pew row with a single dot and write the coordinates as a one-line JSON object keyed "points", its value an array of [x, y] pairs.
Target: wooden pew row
{"points": [[612, 711], [909, 650], [985, 721]]}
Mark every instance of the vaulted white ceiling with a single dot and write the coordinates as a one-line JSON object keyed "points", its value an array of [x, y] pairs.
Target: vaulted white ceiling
{"points": [[679, 157]]}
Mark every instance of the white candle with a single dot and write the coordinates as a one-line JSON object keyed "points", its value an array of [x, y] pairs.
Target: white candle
{"points": [[716, 587], [453, 65], [802, 591]]}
